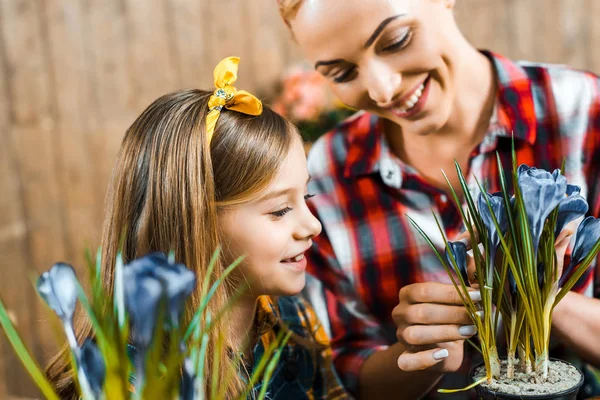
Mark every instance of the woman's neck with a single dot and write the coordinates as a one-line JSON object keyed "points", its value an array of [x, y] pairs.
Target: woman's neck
{"points": [[475, 95], [242, 332]]}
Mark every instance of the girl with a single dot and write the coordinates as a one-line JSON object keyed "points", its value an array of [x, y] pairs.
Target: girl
{"points": [[427, 98], [198, 170]]}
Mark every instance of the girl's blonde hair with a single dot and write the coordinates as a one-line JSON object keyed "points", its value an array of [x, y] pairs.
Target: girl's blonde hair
{"points": [[167, 189]]}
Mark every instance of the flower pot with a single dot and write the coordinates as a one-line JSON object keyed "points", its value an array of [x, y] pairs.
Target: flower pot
{"points": [[487, 393]]}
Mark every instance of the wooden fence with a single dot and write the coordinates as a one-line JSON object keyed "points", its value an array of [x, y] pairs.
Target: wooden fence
{"points": [[75, 73]]}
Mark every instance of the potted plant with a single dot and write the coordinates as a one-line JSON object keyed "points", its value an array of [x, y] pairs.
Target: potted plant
{"points": [[519, 268], [138, 333]]}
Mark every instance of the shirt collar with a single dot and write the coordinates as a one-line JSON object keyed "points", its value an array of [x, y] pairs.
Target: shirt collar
{"points": [[514, 109], [514, 114]]}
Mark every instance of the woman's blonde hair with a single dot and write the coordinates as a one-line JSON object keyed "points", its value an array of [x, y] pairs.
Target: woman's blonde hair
{"points": [[166, 191]]}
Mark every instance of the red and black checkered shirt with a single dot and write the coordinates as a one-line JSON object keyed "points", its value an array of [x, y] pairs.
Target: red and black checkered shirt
{"points": [[368, 250]]}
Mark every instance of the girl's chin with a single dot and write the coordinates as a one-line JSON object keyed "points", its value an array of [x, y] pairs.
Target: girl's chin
{"points": [[290, 287]]}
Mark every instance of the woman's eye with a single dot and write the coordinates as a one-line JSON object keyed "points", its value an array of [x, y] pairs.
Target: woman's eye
{"points": [[400, 44], [282, 212], [308, 196], [346, 76]]}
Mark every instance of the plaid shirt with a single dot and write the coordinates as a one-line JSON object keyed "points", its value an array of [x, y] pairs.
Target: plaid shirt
{"points": [[368, 250], [305, 367]]}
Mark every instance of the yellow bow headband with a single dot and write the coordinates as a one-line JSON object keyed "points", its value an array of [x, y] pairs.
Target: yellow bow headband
{"points": [[228, 96]]}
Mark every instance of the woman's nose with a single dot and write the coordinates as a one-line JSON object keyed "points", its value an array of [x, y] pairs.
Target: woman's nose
{"points": [[382, 83]]}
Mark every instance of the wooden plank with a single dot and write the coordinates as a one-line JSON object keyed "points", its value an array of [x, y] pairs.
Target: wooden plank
{"points": [[520, 31], [12, 226], [113, 98], [70, 98], [153, 67], [228, 35], [593, 57], [574, 33], [270, 44], [476, 21], [33, 150], [191, 41]]}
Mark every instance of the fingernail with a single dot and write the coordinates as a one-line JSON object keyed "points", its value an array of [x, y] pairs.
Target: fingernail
{"points": [[467, 330], [479, 314], [475, 295], [440, 354]]}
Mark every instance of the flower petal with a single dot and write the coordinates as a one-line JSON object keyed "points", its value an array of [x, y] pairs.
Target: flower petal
{"points": [[58, 288], [459, 251], [588, 233], [570, 208], [186, 390], [142, 297], [542, 192], [179, 283], [92, 363]]}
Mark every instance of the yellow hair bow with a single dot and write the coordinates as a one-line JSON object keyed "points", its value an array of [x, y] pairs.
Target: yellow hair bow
{"points": [[228, 96]]}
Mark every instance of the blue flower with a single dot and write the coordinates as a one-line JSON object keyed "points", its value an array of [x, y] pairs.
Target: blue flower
{"points": [[498, 207], [493, 236], [588, 233], [147, 281], [570, 208], [542, 192], [58, 288], [188, 379], [143, 292], [92, 363], [459, 251]]}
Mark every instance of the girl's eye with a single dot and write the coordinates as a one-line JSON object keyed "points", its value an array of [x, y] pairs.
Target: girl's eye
{"points": [[282, 212], [346, 76], [308, 196], [400, 44]]}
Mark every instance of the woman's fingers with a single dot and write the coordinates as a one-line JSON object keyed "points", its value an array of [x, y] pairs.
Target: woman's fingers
{"points": [[419, 335], [433, 292], [420, 360], [427, 313]]}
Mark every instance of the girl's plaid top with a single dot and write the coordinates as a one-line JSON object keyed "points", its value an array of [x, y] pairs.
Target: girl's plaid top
{"points": [[305, 368], [368, 250]]}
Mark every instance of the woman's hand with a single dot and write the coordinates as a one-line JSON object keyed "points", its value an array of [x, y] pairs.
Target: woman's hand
{"points": [[433, 324]]}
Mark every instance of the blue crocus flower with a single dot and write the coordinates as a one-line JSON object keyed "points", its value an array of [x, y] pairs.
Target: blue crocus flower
{"points": [[147, 281], [542, 192], [493, 236], [570, 208], [188, 380], [588, 233], [92, 363], [58, 288], [459, 251]]}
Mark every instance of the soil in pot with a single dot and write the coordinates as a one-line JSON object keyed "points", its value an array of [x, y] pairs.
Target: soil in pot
{"points": [[563, 380]]}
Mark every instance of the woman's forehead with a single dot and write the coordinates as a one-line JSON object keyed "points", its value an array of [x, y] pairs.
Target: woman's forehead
{"points": [[321, 25]]}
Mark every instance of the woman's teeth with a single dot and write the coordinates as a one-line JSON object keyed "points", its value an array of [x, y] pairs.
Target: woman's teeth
{"points": [[295, 259], [414, 99]]}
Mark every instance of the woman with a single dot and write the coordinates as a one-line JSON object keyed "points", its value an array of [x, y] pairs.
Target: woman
{"points": [[428, 97]]}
